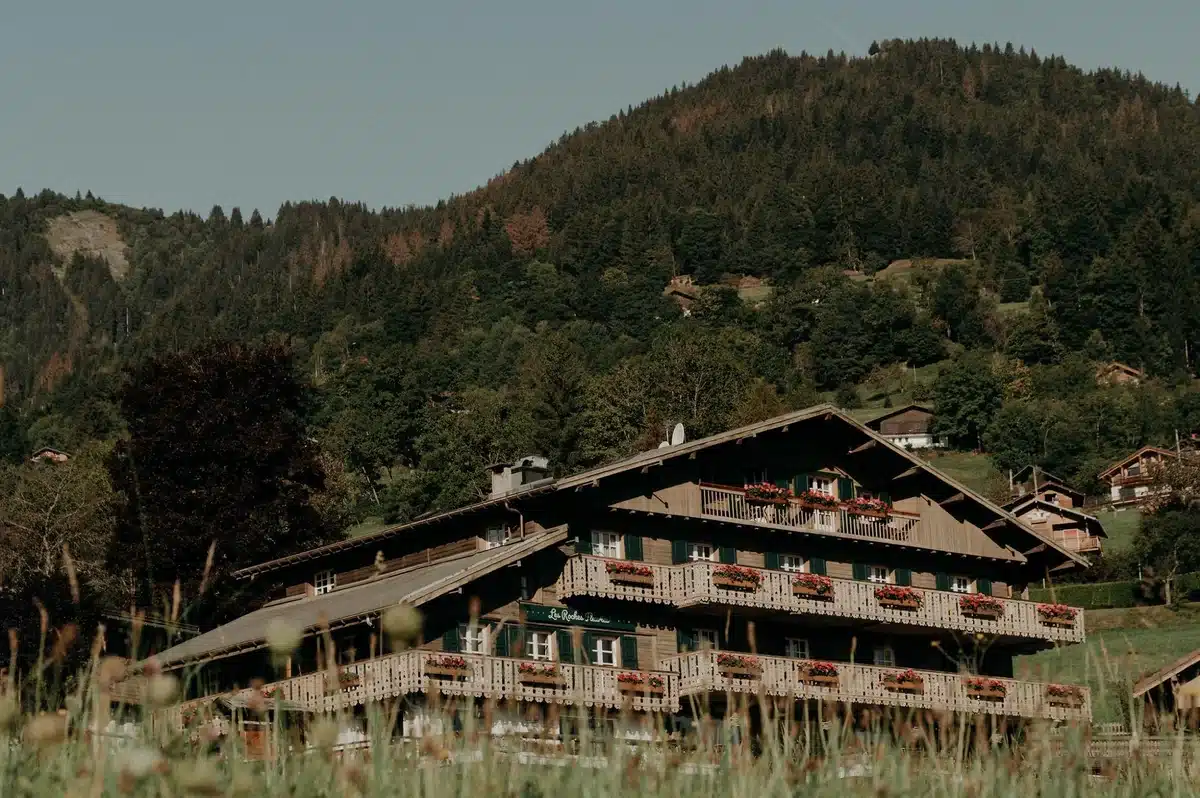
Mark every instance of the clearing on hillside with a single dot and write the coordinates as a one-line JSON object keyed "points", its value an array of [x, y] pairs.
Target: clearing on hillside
{"points": [[90, 233]]}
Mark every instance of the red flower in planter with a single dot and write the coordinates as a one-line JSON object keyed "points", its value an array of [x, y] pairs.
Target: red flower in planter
{"points": [[978, 602], [538, 669], [983, 683], [818, 499], [768, 492], [822, 669], [447, 661], [632, 677], [623, 567], [1057, 611], [823, 585], [728, 660], [863, 504], [908, 675], [897, 593], [1064, 691], [738, 572]]}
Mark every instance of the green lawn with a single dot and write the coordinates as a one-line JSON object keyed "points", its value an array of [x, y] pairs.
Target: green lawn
{"points": [[976, 471], [1121, 527], [367, 526]]}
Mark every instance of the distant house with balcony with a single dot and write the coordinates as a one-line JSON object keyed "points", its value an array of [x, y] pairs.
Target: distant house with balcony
{"points": [[1131, 479], [801, 559], [1119, 374], [909, 427], [1032, 481]]}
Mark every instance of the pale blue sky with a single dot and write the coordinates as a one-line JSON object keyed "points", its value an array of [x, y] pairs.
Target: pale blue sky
{"points": [[188, 104]]}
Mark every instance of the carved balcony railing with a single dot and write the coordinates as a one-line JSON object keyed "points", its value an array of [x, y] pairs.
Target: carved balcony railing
{"points": [[701, 672], [692, 584]]}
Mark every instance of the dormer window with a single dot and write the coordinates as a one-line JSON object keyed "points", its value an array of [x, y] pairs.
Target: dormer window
{"points": [[1052, 498], [323, 582], [496, 536]]}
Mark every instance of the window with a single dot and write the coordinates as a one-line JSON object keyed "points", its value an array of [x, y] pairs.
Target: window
{"points": [[1052, 498], [474, 640], [605, 652], [702, 551], [884, 656], [705, 639], [960, 584], [497, 536], [324, 581], [821, 484], [796, 647], [878, 573], [540, 645], [607, 544], [792, 562]]}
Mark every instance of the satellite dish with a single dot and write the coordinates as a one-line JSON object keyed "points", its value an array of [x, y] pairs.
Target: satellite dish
{"points": [[663, 445], [677, 435]]}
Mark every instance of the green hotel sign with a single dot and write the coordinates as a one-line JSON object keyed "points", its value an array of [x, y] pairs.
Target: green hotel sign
{"points": [[537, 613]]}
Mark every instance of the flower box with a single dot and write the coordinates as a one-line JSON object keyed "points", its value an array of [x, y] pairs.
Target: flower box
{"points": [[733, 577], [1057, 615], [345, 681], [541, 675], [640, 684], [821, 674], [627, 573], [738, 666], [898, 598], [447, 667], [985, 689], [813, 500], [904, 682], [977, 605], [1064, 695], [872, 508], [766, 493], [813, 586]]}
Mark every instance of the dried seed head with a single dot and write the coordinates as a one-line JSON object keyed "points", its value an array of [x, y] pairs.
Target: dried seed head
{"points": [[324, 733], [46, 729], [110, 671], [199, 777], [138, 763], [10, 714], [161, 690], [282, 637], [402, 624]]}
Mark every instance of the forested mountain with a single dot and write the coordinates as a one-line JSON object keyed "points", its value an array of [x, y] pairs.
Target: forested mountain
{"points": [[1059, 211]]}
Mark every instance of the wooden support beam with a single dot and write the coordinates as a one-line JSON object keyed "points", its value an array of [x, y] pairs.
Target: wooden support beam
{"points": [[1063, 566], [952, 499], [1035, 550], [909, 473], [999, 523], [868, 445]]}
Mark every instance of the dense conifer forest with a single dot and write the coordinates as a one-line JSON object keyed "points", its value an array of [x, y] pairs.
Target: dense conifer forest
{"points": [[977, 227]]}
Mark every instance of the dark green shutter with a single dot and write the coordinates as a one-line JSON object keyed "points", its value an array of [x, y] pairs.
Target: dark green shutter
{"points": [[589, 646], [633, 547], [983, 586], [566, 645], [629, 655], [685, 640], [772, 560], [803, 483], [679, 551], [783, 483], [903, 577], [728, 555], [943, 581], [452, 640], [816, 566], [885, 497], [500, 636], [584, 542], [845, 488], [860, 571]]}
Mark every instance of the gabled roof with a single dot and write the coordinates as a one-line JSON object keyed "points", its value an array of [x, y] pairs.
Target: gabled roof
{"points": [[878, 420], [1148, 683], [1136, 455], [655, 457], [355, 602], [1118, 366], [1091, 523], [1026, 473]]}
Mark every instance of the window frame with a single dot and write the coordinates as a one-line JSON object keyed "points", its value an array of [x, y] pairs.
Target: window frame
{"points": [[791, 645], [793, 563], [694, 549], [874, 570], [613, 545], [599, 657], [888, 658], [471, 634], [831, 481], [505, 536], [968, 584], [703, 636], [534, 640], [324, 582]]}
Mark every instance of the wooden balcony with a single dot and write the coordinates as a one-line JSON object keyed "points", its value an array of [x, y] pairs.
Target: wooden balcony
{"points": [[398, 675], [700, 673], [692, 585], [730, 504]]}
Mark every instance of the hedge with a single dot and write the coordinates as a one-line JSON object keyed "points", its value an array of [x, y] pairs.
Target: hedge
{"points": [[1112, 595]]}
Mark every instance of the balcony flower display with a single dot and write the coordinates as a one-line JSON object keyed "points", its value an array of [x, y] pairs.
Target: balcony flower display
{"points": [[897, 597], [985, 688], [348, 680], [738, 666], [735, 577], [813, 586], [820, 501], [876, 508], [822, 674], [1057, 614], [635, 682], [629, 573], [1064, 695], [447, 666], [905, 681], [541, 673], [822, 669], [767, 493], [978, 605]]}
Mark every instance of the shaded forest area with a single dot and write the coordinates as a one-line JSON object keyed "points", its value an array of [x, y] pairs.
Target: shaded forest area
{"points": [[1050, 217]]}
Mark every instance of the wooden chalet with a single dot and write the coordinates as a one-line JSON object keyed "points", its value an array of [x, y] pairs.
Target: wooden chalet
{"points": [[1118, 374], [909, 427], [48, 455], [804, 559], [1131, 479], [1052, 507], [1172, 692]]}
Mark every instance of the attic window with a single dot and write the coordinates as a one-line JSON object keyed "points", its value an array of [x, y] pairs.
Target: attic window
{"points": [[324, 581], [497, 536], [1052, 498]]}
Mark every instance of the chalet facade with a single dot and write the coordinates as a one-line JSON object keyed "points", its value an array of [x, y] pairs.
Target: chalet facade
{"points": [[1119, 374], [909, 427], [1052, 508], [1131, 480], [805, 559]]}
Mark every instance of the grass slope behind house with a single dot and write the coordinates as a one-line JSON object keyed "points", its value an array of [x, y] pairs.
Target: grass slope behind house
{"points": [[1121, 647], [1121, 528]]}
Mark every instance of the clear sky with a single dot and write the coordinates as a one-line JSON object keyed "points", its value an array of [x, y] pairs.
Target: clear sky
{"points": [[184, 104]]}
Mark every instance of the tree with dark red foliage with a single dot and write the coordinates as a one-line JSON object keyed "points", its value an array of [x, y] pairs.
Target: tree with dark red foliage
{"points": [[217, 457]]}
